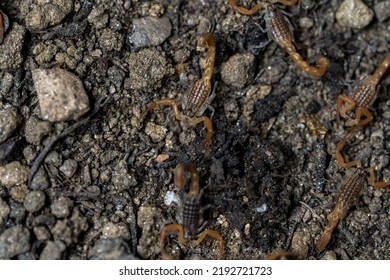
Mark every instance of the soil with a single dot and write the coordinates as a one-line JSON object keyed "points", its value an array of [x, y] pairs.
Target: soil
{"points": [[104, 187]]}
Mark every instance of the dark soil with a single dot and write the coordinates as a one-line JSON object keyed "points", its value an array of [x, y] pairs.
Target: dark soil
{"points": [[269, 182]]}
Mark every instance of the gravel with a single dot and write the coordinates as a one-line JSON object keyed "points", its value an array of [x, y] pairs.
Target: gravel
{"points": [[239, 70], [14, 241], [354, 13], [150, 31], [61, 94], [13, 174], [11, 50], [9, 120]]}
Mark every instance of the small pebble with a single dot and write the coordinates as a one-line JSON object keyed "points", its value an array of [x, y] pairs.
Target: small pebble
{"points": [[42, 14], [382, 10], [300, 242], [98, 17], [61, 94], [18, 193], [111, 230], [36, 130], [54, 158], [150, 31], [40, 180], [110, 40], [11, 50], [61, 207], [156, 132], [34, 201], [4, 211], [14, 241], [111, 249], [172, 199], [329, 255], [41, 233], [146, 220], [53, 250], [121, 178], [116, 76], [13, 174], [231, 109], [148, 68], [306, 22], [239, 70], [354, 13], [9, 121], [69, 167]]}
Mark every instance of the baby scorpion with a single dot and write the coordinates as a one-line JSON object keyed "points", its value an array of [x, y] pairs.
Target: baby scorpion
{"points": [[349, 192], [191, 213], [198, 98], [279, 29], [362, 98]]}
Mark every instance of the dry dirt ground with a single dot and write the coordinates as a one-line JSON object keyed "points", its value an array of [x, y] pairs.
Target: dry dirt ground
{"points": [[104, 189]]}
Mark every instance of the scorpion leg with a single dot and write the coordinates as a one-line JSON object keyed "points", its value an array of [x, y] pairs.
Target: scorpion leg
{"points": [[214, 234], [245, 11], [163, 236], [315, 71], [377, 185], [340, 158], [342, 111], [207, 123], [358, 121], [169, 102]]}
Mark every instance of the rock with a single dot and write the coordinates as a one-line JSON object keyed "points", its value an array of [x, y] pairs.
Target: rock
{"points": [[61, 207], [98, 17], [231, 109], [40, 180], [148, 68], [34, 201], [156, 132], [111, 40], [35, 130], [13, 174], [4, 211], [111, 249], [239, 70], [300, 242], [9, 120], [11, 49], [61, 94], [329, 255], [354, 13], [121, 178], [53, 251], [14, 241], [42, 14], [150, 31], [147, 220], [382, 10], [69, 167], [7, 82], [54, 158], [111, 230], [116, 76], [41, 233], [68, 230]]}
